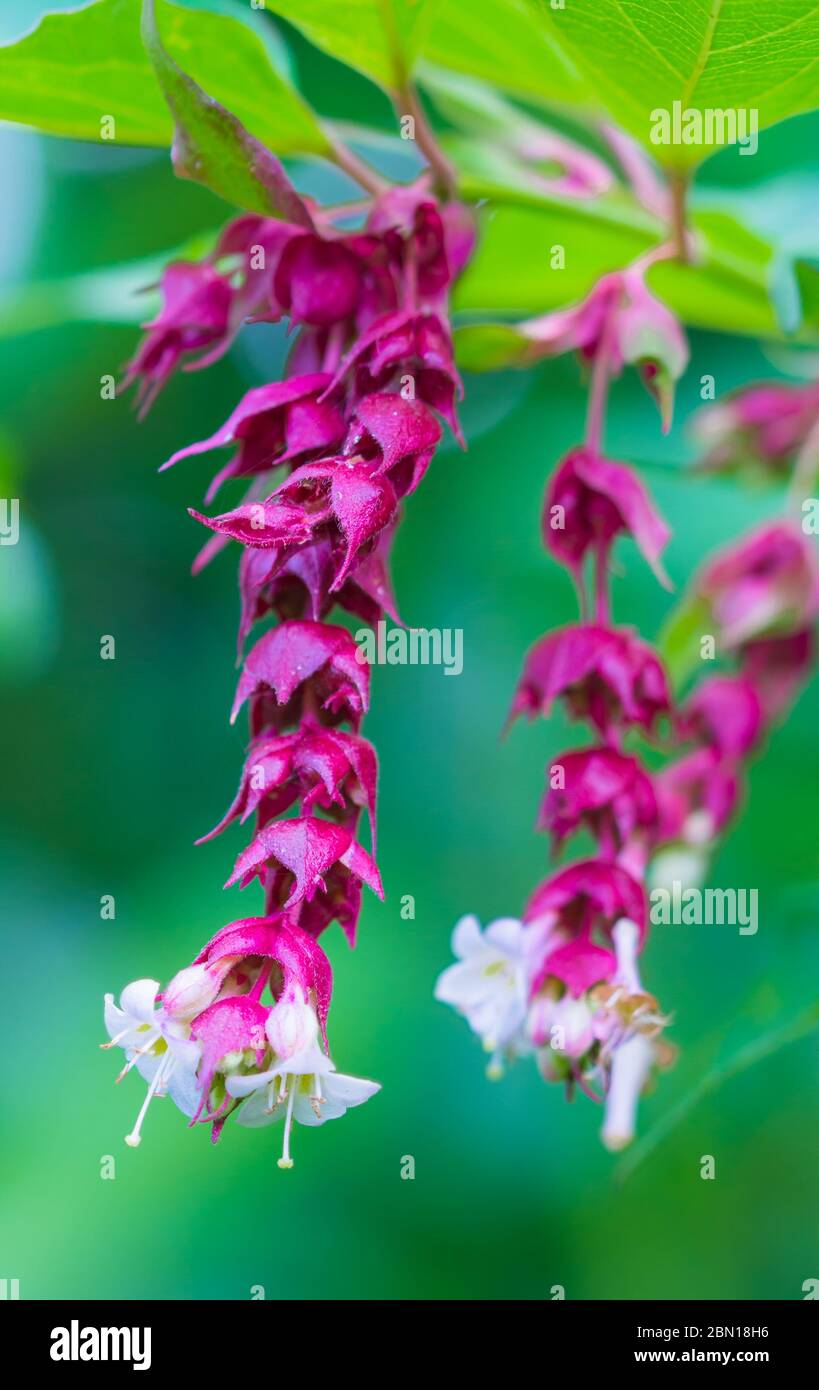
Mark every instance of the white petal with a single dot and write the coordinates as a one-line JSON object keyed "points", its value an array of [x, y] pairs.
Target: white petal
{"points": [[246, 1085], [626, 938], [138, 999], [304, 1114], [506, 933], [349, 1090], [186, 1053], [147, 1064], [466, 936], [575, 1018], [184, 1090], [254, 1113], [115, 1019], [461, 985], [311, 1061]]}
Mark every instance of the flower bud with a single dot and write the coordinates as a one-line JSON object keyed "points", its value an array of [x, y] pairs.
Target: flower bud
{"points": [[191, 990], [630, 1069], [292, 1024]]}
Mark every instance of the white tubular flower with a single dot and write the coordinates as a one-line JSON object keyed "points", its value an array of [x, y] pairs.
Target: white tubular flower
{"points": [[630, 1068], [305, 1088], [487, 984], [158, 1046]]}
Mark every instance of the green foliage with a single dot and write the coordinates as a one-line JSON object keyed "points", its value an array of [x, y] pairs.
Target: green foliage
{"points": [[501, 41], [680, 640], [512, 272], [80, 65], [380, 38], [212, 147], [705, 54]]}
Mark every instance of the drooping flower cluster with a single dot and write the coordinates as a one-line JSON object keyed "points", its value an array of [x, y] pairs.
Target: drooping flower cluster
{"points": [[327, 457], [759, 429], [563, 983], [759, 598]]}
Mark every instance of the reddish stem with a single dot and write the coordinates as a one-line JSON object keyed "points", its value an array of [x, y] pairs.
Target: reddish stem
{"points": [[678, 185], [599, 389], [427, 142], [601, 585], [258, 989], [356, 168]]}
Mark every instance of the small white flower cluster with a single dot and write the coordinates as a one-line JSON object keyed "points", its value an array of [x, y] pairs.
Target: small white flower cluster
{"points": [[606, 1033], [298, 1082]]}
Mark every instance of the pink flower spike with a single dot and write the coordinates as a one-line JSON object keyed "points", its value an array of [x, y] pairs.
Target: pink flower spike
{"points": [[588, 896], [271, 425], [279, 939], [607, 675], [298, 651], [317, 282], [598, 500], [407, 343], [578, 964], [697, 796], [766, 584], [777, 666], [292, 582], [576, 329], [361, 502], [764, 426], [724, 711], [307, 848], [318, 766], [400, 429], [264, 525], [651, 338], [195, 314], [638, 330], [602, 789]]}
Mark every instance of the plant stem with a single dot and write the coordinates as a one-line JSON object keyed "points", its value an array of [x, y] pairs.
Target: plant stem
{"points": [[356, 168], [747, 1056], [678, 185], [601, 585], [599, 388], [426, 140]]}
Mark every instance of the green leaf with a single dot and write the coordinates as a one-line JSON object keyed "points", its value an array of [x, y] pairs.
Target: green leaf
{"points": [[212, 147], [679, 642], [79, 66], [503, 41], [381, 38], [708, 55]]}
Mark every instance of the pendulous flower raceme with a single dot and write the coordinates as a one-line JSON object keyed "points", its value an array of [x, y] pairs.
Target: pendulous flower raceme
{"points": [[563, 983], [319, 464], [326, 457]]}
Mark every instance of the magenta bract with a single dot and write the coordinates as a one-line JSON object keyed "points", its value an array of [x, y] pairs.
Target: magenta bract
{"points": [[589, 896], [607, 791], [607, 675], [301, 651], [589, 501]]}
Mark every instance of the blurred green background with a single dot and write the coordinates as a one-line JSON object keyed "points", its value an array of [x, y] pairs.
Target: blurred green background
{"points": [[112, 768]]}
